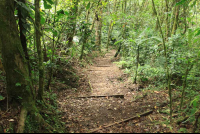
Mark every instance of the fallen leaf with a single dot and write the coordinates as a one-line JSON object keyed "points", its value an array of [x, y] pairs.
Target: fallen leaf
{"points": [[156, 92], [150, 118], [11, 120]]}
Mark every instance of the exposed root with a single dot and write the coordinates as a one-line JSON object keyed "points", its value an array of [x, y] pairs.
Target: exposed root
{"points": [[22, 119], [41, 121], [37, 116]]}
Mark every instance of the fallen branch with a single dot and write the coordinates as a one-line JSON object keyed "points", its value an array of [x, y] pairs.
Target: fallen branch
{"points": [[90, 85], [95, 70], [95, 96], [103, 66], [126, 120]]}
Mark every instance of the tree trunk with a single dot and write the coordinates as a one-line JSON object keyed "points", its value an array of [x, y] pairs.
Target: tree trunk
{"points": [[98, 27], [53, 52], [72, 22], [111, 26], [167, 20], [137, 63], [19, 88], [39, 49], [175, 23], [166, 61], [22, 14]]}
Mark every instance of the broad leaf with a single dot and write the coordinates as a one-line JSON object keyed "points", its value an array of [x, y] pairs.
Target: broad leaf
{"points": [[1, 98], [42, 21], [46, 5], [88, 6]]}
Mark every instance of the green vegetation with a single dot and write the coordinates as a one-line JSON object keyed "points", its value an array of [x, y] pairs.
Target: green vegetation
{"points": [[157, 41]]}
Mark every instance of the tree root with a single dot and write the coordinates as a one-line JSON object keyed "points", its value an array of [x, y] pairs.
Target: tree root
{"points": [[41, 121], [22, 119], [38, 118]]}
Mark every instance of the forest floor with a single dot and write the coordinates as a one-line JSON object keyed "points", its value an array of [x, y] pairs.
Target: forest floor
{"points": [[99, 97], [107, 101]]}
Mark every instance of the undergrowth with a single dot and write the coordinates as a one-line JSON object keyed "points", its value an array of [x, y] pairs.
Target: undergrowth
{"points": [[52, 117]]}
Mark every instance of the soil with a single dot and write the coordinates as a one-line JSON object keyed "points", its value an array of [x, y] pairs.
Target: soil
{"points": [[104, 78]]}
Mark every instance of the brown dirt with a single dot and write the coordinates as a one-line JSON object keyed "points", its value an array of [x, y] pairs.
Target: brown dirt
{"points": [[83, 115]]}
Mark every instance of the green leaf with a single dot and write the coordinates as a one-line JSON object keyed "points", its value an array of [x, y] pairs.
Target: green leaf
{"points": [[195, 103], [51, 2], [193, 111], [42, 21], [182, 130], [60, 12], [66, 13], [23, 6], [1, 98], [88, 6], [55, 33], [18, 84], [46, 5], [181, 2], [20, 97], [198, 33]]}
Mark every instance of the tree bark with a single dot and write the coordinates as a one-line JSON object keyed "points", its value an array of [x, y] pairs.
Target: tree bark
{"points": [[166, 61], [53, 52], [137, 63], [39, 49], [111, 26], [98, 27], [72, 22], [175, 23], [19, 87]]}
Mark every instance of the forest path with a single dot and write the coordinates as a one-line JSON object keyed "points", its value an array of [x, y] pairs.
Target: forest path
{"points": [[83, 115], [105, 76]]}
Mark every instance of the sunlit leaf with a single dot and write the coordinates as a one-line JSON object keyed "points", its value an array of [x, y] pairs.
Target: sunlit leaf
{"points": [[47, 5], [42, 21], [88, 6]]}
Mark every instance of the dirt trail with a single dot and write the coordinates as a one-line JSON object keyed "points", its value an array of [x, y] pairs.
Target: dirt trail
{"points": [[86, 114], [104, 76]]}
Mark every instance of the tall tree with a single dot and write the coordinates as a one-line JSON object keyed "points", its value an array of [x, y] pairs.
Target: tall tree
{"points": [[72, 22], [111, 26], [23, 14], [176, 18], [53, 51], [98, 26], [166, 60], [19, 87], [39, 49]]}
